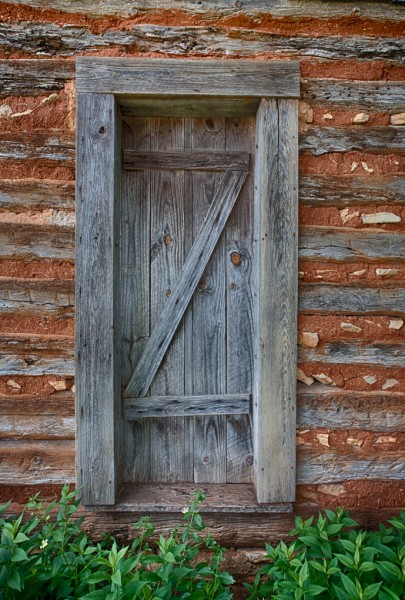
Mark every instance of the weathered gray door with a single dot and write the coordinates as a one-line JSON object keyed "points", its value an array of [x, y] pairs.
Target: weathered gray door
{"points": [[175, 171]]}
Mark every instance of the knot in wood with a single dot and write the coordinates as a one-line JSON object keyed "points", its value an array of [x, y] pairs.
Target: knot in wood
{"points": [[236, 259], [168, 240], [202, 284]]}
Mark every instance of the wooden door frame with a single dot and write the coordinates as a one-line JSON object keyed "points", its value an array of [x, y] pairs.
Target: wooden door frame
{"points": [[107, 88]]}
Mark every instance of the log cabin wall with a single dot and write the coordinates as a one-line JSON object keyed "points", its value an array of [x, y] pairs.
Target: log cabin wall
{"points": [[351, 391]]}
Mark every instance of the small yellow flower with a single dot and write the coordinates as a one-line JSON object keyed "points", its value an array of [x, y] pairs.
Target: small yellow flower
{"points": [[44, 544], [184, 510]]}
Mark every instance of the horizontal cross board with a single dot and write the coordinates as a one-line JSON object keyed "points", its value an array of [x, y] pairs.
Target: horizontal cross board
{"points": [[195, 160], [186, 406]]}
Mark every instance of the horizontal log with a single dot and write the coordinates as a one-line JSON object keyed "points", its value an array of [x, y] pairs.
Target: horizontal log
{"points": [[37, 427], [34, 364], [49, 345], [389, 10], [54, 148], [54, 40], [337, 353], [38, 195], [207, 78], [321, 406], [55, 297], [351, 300], [321, 140], [316, 242], [348, 190], [186, 406], [34, 462], [36, 297], [34, 77], [195, 160], [317, 407], [37, 241], [369, 95], [59, 404], [345, 243]]}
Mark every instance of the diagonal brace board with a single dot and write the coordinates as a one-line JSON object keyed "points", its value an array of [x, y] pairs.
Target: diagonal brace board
{"points": [[205, 242]]}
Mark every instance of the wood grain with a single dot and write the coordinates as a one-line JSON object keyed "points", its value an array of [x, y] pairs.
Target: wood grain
{"points": [[34, 77], [368, 95], [191, 273], [351, 299], [99, 410], [186, 406], [240, 134], [347, 244], [189, 160], [24, 195], [389, 10], [209, 310], [324, 406], [55, 40], [378, 353], [276, 223], [40, 297], [382, 140], [50, 148], [350, 190], [193, 78], [26, 241]]}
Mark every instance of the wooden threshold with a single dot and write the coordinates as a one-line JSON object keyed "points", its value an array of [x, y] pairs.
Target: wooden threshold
{"points": [[230, 498]]}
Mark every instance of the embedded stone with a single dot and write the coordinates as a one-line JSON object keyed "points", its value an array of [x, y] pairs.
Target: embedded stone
{"points": [[13, 384], [389, 383], [305, 338], [386, 272], [370, 379], [398, 119], [331, 489], [303, 378], [350, 327], [325, 379], [323, 439], [380, 218], [58, 385], [360, 118], [395, 324]]}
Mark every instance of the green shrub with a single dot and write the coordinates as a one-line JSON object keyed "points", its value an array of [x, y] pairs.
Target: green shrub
{"points": [[45, 554], [53, 558], [333, 559]]}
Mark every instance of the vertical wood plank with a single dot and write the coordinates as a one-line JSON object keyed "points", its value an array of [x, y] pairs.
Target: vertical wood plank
{"points": [[135, 290], [99, 410], [239, 308], [275, 240], [209, 352], [167, 259]]}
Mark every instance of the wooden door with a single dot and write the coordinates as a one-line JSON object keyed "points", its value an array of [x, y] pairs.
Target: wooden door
{"points": [[208, 366]]}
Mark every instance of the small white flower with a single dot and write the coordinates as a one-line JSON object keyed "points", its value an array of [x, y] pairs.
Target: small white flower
{"points": [[184, 510], [44, 544]]}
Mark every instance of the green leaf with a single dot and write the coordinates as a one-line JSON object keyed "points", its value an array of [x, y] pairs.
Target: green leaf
{"points": [[346, 560], [367, 566], [389, 571], [132, 590], [349, 585], [371, 590], [19, 555], [14, 580], [97, 594], [20, 537], [314, 590], [334, 528], [116, 578], [96, 578], [341, 595], [347, 545], [169, 557]]}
